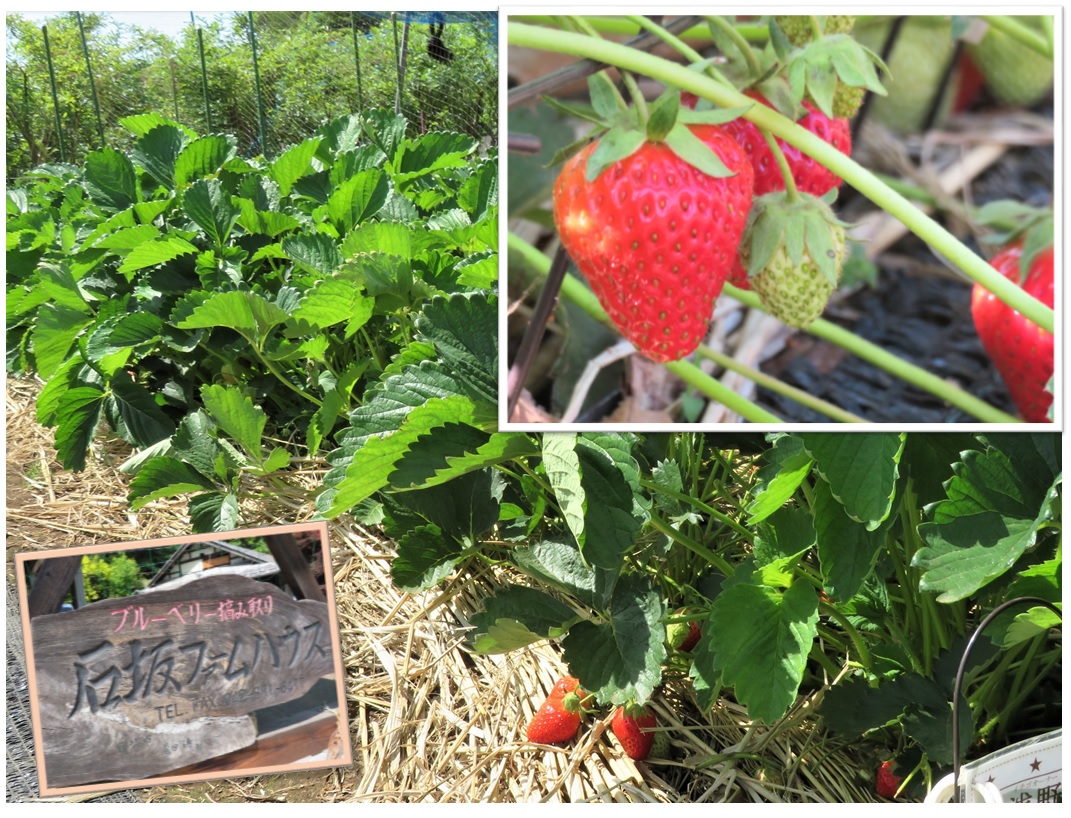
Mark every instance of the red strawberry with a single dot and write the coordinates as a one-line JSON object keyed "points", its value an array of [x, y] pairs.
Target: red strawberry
{"points": [[1021, 351], [888, 782], [558, 718], [656, 237], [810, 176], [629, 725]]}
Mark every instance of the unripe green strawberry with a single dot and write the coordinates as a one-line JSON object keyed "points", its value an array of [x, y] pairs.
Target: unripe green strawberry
{"points": [[799, 31], [661, 747], [683, 635], [1015, 73], [916, 65], [847, 100], [793, 252]]}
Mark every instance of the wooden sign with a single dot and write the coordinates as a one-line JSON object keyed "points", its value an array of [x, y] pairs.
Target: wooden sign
{"points": [[134, 687]]}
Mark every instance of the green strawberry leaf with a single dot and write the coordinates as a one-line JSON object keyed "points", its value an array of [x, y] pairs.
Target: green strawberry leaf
{"points": [[760, 639], [861, 471], [690, 148], [77, 415], [516, 616], [164, 477], [561, 566], [846, 550], [425, 557], [621, 659], [213, 512], [787, 465]]}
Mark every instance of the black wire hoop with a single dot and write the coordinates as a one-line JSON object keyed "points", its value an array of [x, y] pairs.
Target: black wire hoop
{"points": [[962, 669]]}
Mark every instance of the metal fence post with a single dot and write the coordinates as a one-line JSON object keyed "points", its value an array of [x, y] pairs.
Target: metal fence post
{"points": [[357, 60], [256, 82], [55, 96], [204, 73], [92, 84]]}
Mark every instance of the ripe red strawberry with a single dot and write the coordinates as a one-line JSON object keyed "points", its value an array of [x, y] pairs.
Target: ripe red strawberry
{"points": [[558, 718], [888, 782], [1021, 351], [629, 725], [810, 176], [656, 237]]}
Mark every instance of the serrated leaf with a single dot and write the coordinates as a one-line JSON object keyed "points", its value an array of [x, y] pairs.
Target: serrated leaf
{"points": [[77, 414], [465, 509], [193, 442], [455, 450], [760, 641], [292, 164], [210, 207], [787, 467], [158, 150], [316, 252], [135, 417], [136, 328], [621, 659], [127, 238], [479, 193], [861, 471], [331, 302], [372, 464], [663, 115], [202, 157], [463, 328], [153, 253], [236, 415], [110, 179], [53, 336], [214, 512], [562, 464], [241, 310], [846, 550], [164, 477], [517, 616], [357, 199], [560, 565], [425, 557]]}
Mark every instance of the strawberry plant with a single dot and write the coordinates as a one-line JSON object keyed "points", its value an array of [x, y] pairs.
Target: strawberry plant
{"points": [[207, 307], [857, 565], [787, 97]]}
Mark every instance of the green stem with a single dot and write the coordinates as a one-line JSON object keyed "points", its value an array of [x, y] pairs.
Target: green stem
{"points": [[902, 369], [693, 546], [857, 639], [792, 195], [751, 32], [1017, 31], [739, 41], [816, 27], [696, 503], [780, 387], [864, 181], [670, 39], [689, 373]]}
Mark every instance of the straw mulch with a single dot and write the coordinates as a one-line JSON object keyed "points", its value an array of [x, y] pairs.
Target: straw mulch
{"points": [[430, 721]]}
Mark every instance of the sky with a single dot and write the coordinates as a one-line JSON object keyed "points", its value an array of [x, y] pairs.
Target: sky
{"points": [[170, 23]]}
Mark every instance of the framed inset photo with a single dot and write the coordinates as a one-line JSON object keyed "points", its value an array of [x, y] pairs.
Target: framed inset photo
{"points": [[185, 658]]}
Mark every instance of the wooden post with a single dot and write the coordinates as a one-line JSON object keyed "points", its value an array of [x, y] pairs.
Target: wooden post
{"points": [[295, 571], [52, 583]]}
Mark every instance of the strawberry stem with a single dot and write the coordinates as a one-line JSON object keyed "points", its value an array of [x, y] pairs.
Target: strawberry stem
{"points": [[791, 194], [828, 331], [852, 172], [816, 27], [739, 40], [800, 396], [642, 114], [1022, 34]]}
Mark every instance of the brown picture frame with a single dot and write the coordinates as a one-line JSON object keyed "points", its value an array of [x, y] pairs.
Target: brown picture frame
{"points": [[213, 671]]}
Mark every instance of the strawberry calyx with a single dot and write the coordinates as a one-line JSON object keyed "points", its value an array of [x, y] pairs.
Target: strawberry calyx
{"points": [[1013, 223], [802, 223], [826, 70]]}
